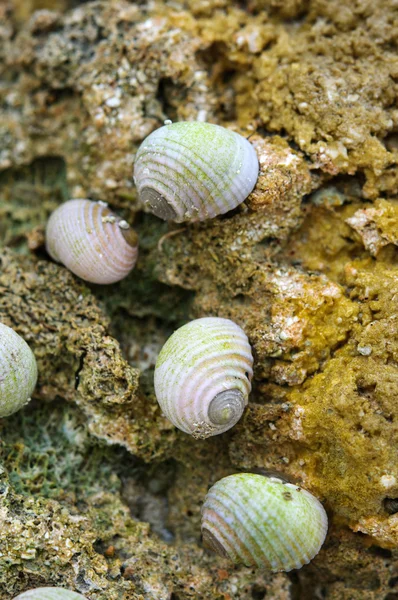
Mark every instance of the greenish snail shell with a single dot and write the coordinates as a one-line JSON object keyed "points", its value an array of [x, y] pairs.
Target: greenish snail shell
{"points": [[50, 593], [192, 171], [18, 371], [202, 376], [263, 522]]}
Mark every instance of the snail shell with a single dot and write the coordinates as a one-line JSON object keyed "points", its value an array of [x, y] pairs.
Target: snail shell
{"points": [[192, 171], [18, 371], [50, 593], [202, 376], [91, 241], [263, 522]]}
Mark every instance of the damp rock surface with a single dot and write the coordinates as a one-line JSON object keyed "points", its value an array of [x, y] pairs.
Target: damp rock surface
{"points": [[99, 493]]}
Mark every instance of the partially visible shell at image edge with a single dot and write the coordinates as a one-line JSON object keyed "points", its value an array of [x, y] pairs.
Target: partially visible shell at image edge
{"points": [[263, 522], [192, 171], [50, 593], [18, 371], [91, 241], [202, 376]]}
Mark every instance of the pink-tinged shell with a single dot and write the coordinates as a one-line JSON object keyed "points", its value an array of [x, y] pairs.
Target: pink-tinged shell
{"points": [[202, 376], [91, 241]]}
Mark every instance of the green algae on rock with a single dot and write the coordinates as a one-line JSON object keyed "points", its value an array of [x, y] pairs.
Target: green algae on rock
{"points": [[313, 285], [76, 357], [67, 494]]}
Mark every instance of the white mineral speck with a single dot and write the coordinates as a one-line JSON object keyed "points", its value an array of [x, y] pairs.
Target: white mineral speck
{"points": [[113, 102], [110, 183], [364, 350], [202, 116], [108, 219], [388, 481]]}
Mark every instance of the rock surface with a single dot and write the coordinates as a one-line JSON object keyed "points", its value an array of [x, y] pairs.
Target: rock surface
{"points": [[99, 493]]}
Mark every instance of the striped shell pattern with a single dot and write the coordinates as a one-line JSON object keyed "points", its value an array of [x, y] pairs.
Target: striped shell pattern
{"points": [[192, 171], [202, 376], [91, 241], [18, 371], [262, 521], [50, 593]]}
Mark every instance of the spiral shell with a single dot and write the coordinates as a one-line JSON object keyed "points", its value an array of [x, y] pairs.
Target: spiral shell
{"points": [[192, 171], [264, 522], [91, 241], [202, 376], [18, 371], [50, 593]]}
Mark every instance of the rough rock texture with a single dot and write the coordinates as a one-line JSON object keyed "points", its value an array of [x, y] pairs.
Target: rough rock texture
{"points": [[98, 491], [64, 522]]}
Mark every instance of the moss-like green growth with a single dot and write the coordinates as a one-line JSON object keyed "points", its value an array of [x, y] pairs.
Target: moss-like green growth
{"points": [[311, 280]]}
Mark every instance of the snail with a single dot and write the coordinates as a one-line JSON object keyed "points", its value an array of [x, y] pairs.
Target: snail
{"points": [[18, 371], [50, 593], [263, 522], [192, 171], [202, 376], [91, 241]]}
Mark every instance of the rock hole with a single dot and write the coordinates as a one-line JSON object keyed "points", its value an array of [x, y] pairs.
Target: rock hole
{"points": [[222, 74], [364, 389], [171, 95], [381, 552], [295, 588], [55, 96], [391, 141], [258, 592], [391, 505]]}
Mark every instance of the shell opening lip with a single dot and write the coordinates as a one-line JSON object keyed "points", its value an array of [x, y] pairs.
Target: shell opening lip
{"points": [[227, 407], [129, 235], [158, 204], [212, 543]]}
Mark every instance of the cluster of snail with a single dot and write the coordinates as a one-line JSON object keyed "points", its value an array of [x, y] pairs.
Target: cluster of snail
{"points": [[202, 383], [187, 171]]}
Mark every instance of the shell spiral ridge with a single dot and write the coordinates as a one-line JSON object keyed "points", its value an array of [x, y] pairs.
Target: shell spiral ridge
{"points": [[91, 241], [263, 522], [203, 371], [18, 371], [192, 171]]}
